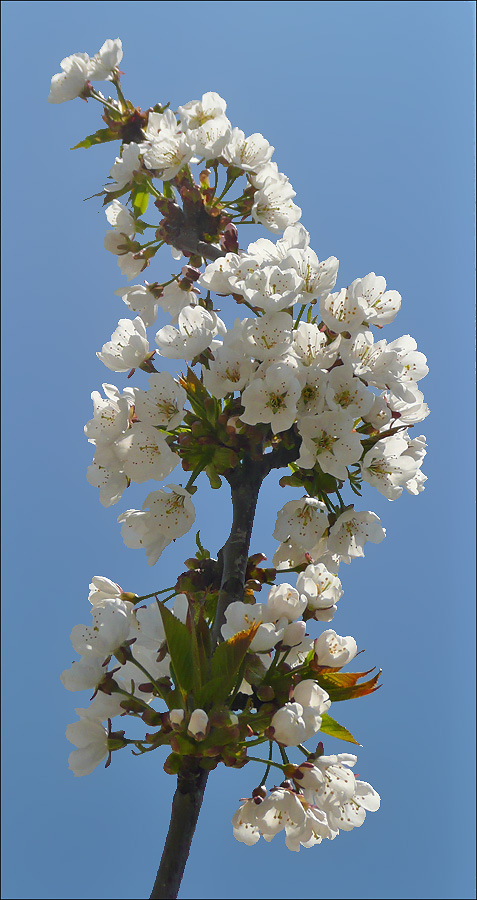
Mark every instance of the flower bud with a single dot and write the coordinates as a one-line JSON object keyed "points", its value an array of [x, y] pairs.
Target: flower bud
{"points": [[259, 793], [229, 239], [191, 273], [198, 724], [309, 776], [176, 717], [293, 634], [127, 595], [265, 693]]}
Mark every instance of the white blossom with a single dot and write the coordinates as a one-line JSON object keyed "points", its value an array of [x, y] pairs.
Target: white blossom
{"points": [[228, 371], [78, 69], [387, 466], [217, 274], [321, 591], [107, 475], [410, 411], [103, 707], [120, 218], [350, 532], [272, 399], [272, 288], [380, 413], [298, 721], [381, 306], [345, 391], [196, 330], [416, 451], [268, 336], [106, 61], [140, 300], [128, 347], [175, 297], [284, 601], [162, 404], [103, 589], [303, 522], [163, 518], [329, 440], [210, 138], [273, 206], [150, 627], [84, 674], [110, 628], [312, 696], [292, 725], [70, 83], [344, 310], [197, 112], [145, 454], [125, 167], [91, 739], [294, 635], [317, 277], [111, 416], [333, 650], [241, 616], [168, 153], [249, 154]]}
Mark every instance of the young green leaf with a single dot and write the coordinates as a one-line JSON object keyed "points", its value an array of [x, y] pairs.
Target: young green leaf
{"points": [[140, 201], [225, 665], [99, 137], [179, 643], [334, 729]]}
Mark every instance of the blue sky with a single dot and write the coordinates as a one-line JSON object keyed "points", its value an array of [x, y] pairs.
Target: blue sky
{"points": [[369, 106]]}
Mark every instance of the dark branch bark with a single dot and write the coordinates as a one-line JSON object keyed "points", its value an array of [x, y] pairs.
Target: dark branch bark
{"points": [[208, 251], [280, 458], [185, 812], [245, 483]]}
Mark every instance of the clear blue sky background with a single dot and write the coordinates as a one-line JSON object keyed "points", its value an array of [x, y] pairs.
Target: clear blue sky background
{"points": [[369, 106]]}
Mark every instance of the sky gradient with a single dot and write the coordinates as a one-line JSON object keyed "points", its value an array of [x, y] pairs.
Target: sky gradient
{"points": [[369, 106]]}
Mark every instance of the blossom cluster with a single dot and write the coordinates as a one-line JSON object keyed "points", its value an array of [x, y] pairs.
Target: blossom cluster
{"points": [[323, 798], [348, 399], [321, 795], [302, 380], [78, 70]]}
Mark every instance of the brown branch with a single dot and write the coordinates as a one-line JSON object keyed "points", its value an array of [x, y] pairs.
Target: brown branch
{"points": [[185, 812], [245, 483]]}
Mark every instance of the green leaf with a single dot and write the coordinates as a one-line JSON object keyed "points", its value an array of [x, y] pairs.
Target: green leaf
{"points": [[140, 199], [199, 657], [179, 643], [99, 137], [167, 191], [215, 481], [225, 665], [211, 691], [334, 729], [224, 459]]}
